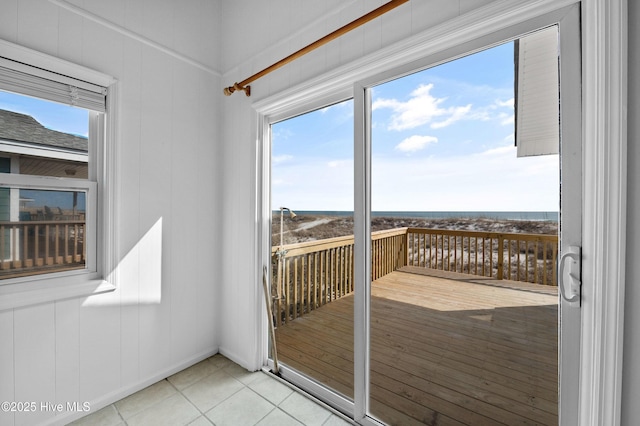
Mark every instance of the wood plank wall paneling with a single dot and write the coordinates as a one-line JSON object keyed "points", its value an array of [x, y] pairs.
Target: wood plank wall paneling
{"points": [[87, 349]]}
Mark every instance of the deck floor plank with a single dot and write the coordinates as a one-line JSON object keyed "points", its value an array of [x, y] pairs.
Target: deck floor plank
{"points": [[446, 349]]}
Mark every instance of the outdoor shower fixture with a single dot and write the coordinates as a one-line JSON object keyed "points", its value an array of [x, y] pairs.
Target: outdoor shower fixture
{"points": [[281, 287], [281, 251]]}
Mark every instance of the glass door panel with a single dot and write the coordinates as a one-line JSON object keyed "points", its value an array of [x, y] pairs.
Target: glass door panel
{"points": [[464, 217], [312, 245]]}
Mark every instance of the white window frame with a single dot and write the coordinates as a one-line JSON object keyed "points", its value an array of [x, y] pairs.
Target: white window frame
{"points": [[99, 275], [604, 84]]}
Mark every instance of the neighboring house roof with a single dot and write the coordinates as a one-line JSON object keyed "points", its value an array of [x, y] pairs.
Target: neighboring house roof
{"points": [[26, 129]]}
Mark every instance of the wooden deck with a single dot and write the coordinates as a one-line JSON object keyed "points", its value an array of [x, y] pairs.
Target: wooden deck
{"points": [[446, 349]]}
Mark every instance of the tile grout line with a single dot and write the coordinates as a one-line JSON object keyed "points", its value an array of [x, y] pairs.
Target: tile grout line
{"points": [[220, 369], [187, 399]]}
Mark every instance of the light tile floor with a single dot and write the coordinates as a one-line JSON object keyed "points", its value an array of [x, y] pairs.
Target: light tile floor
{"points": [[216, 392]]}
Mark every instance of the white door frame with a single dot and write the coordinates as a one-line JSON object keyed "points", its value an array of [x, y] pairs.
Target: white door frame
{"points": [[604, 84]]}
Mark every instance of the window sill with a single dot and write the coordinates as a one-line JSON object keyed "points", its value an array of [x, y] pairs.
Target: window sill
{"points": [[50, 289]]}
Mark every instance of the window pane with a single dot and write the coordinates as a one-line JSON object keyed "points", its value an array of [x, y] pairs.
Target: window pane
{"points": [[463, 306], [43, 138], [312, 247], [41, 231]]}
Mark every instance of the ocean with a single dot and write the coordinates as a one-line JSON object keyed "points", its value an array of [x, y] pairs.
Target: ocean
{"points": [[537, 216]]}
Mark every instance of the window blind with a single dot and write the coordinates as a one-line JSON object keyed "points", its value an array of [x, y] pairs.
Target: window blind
{"points": [[32, 81]]}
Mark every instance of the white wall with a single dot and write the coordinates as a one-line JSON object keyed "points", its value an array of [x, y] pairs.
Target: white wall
{"points": [[163, 315], [631, 357], [255, 35]]}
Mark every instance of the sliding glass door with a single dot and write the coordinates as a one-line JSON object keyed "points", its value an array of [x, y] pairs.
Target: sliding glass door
{"points": [[464, 244], [470, 225], [312, 246], [421, 235]]}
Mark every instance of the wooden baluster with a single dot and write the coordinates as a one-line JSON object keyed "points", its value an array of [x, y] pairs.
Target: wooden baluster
{"points": [[279, 291], [325, 276], [36, 243], [455, 253], [75, 243], [476, 255], [554, 264], [294, 284], [500, 257], [14, 247], [351, 269], [510, 252], [308, 298], [339, 255], [526, 256], [491, 257], [46, 246], [56, 259], [535, 260], [66, 243], [314, 305], [544, 263], [25, 246], [287, 289]]}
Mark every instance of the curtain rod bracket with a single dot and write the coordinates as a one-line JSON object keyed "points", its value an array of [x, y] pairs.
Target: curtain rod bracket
{"points": [[244, 84], [229, 90]]}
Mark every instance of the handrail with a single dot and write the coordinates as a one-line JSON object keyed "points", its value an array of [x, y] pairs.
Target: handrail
{"points": [[318, 272], [297, 249], [41, 246], [512, 256]]}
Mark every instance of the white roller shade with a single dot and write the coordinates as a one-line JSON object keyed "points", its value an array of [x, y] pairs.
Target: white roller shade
{"points": [[537, 97], [27, 80]]}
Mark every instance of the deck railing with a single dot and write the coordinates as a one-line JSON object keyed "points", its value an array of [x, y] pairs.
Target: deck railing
{"points": [[308, 275], [510, 256], [34, 247]]}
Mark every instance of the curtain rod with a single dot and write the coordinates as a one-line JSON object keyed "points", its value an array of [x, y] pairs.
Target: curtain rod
{"points": [[243, 85]]}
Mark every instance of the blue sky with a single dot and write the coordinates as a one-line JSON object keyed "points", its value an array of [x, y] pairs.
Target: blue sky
{"points": [[442, 140], [54, 116]]}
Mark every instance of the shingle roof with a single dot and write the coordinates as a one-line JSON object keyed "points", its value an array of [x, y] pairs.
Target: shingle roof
{"points": [[24, 128]]}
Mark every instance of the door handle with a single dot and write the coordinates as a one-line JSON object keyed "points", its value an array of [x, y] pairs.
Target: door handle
{"points": [[571, 292]]}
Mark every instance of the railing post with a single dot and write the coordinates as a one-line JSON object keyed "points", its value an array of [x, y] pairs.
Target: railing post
{"points": [[405, 247], [500, 256]]}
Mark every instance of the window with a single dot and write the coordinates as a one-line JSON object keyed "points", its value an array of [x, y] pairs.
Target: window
{"points": [[45, 181], [55, 179]]}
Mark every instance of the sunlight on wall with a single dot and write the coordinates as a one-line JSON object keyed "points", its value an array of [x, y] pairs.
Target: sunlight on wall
{"points": [[139, 274]]}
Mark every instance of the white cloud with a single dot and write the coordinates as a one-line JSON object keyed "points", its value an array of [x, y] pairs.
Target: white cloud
{"points": [[416, 143], [458, 113], [506, 119], [281, 132], [334, 164], [506, 104], [422, 108], [279, 159]]}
